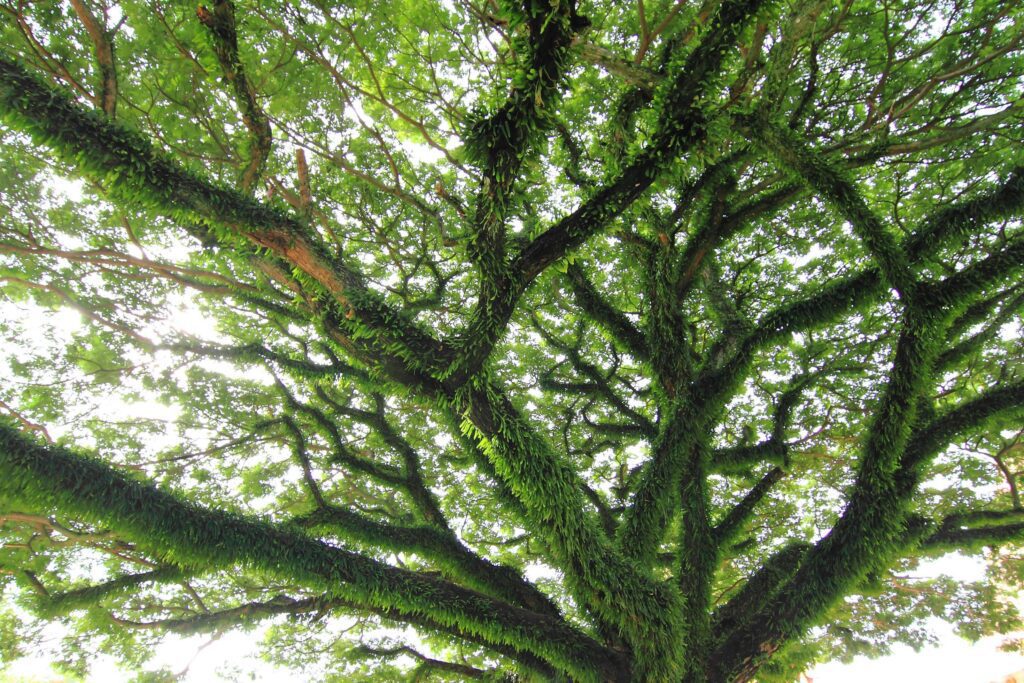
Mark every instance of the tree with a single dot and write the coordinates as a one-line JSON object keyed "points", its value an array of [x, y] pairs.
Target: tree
{"points": [[596, 341]]}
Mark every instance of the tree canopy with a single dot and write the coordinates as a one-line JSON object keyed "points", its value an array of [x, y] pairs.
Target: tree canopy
{"points": [[540, 340]]}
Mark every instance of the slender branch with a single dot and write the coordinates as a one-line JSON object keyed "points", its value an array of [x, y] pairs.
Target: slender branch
{"points": [[439, 546], [79, 598], [103, 47], [426, 665], [739, 459], [590, 300], [827, 178], [298, 441], [727, 529], [221, 25], [974, 530], [598, 381], [931, 438]]}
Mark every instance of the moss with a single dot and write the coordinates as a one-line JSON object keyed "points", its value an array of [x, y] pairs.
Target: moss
{"points": [[184, 534]]}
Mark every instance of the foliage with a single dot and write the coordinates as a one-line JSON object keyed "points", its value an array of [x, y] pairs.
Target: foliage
{"points": [[511, 340]]}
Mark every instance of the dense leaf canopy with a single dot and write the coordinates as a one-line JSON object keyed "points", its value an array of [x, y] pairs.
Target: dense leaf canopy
{"points": [[599, 341]]}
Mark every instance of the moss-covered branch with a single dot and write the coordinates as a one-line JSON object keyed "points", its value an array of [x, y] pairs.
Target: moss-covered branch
{"points": [[127, 164], [438, 546], [644, 613], [249, 612], [674, 456], [839, 297], [975, 530], [220, 23], [830, 181], [258, 353], [979, 276], [683, 127], [971, 216], [426, 666], [870, 532], [51, 477], [775, 450], [78, 598], [597, 308], [758, 589], [982, 313], [502, 140], [656, 500], [929, 439], [598, 385], [740, 459], [727, 529]]}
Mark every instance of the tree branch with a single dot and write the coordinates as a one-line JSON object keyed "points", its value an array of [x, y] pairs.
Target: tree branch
{"points": [[604, 314], [439, 546], [79, 598], [828, 180], [54, 477], [552, 499], [103, 47], [136, 173], [727, 529], [684, 127], [974, 530], [221, 26]]}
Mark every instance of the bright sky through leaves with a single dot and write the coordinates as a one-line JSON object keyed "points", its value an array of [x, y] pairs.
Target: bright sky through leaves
{"points": [[596, 341]]}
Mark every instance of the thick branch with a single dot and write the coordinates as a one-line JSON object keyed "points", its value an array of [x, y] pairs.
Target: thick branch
{"points": [[870, 532], [759, 589], [645, 613], [501, 141], [137, 174], [282, 604], [54, 477], [843, 295], [683, 127], [977, 537]]}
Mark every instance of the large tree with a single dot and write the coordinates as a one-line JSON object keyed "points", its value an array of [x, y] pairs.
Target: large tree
{"points": [[652, 341]]}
